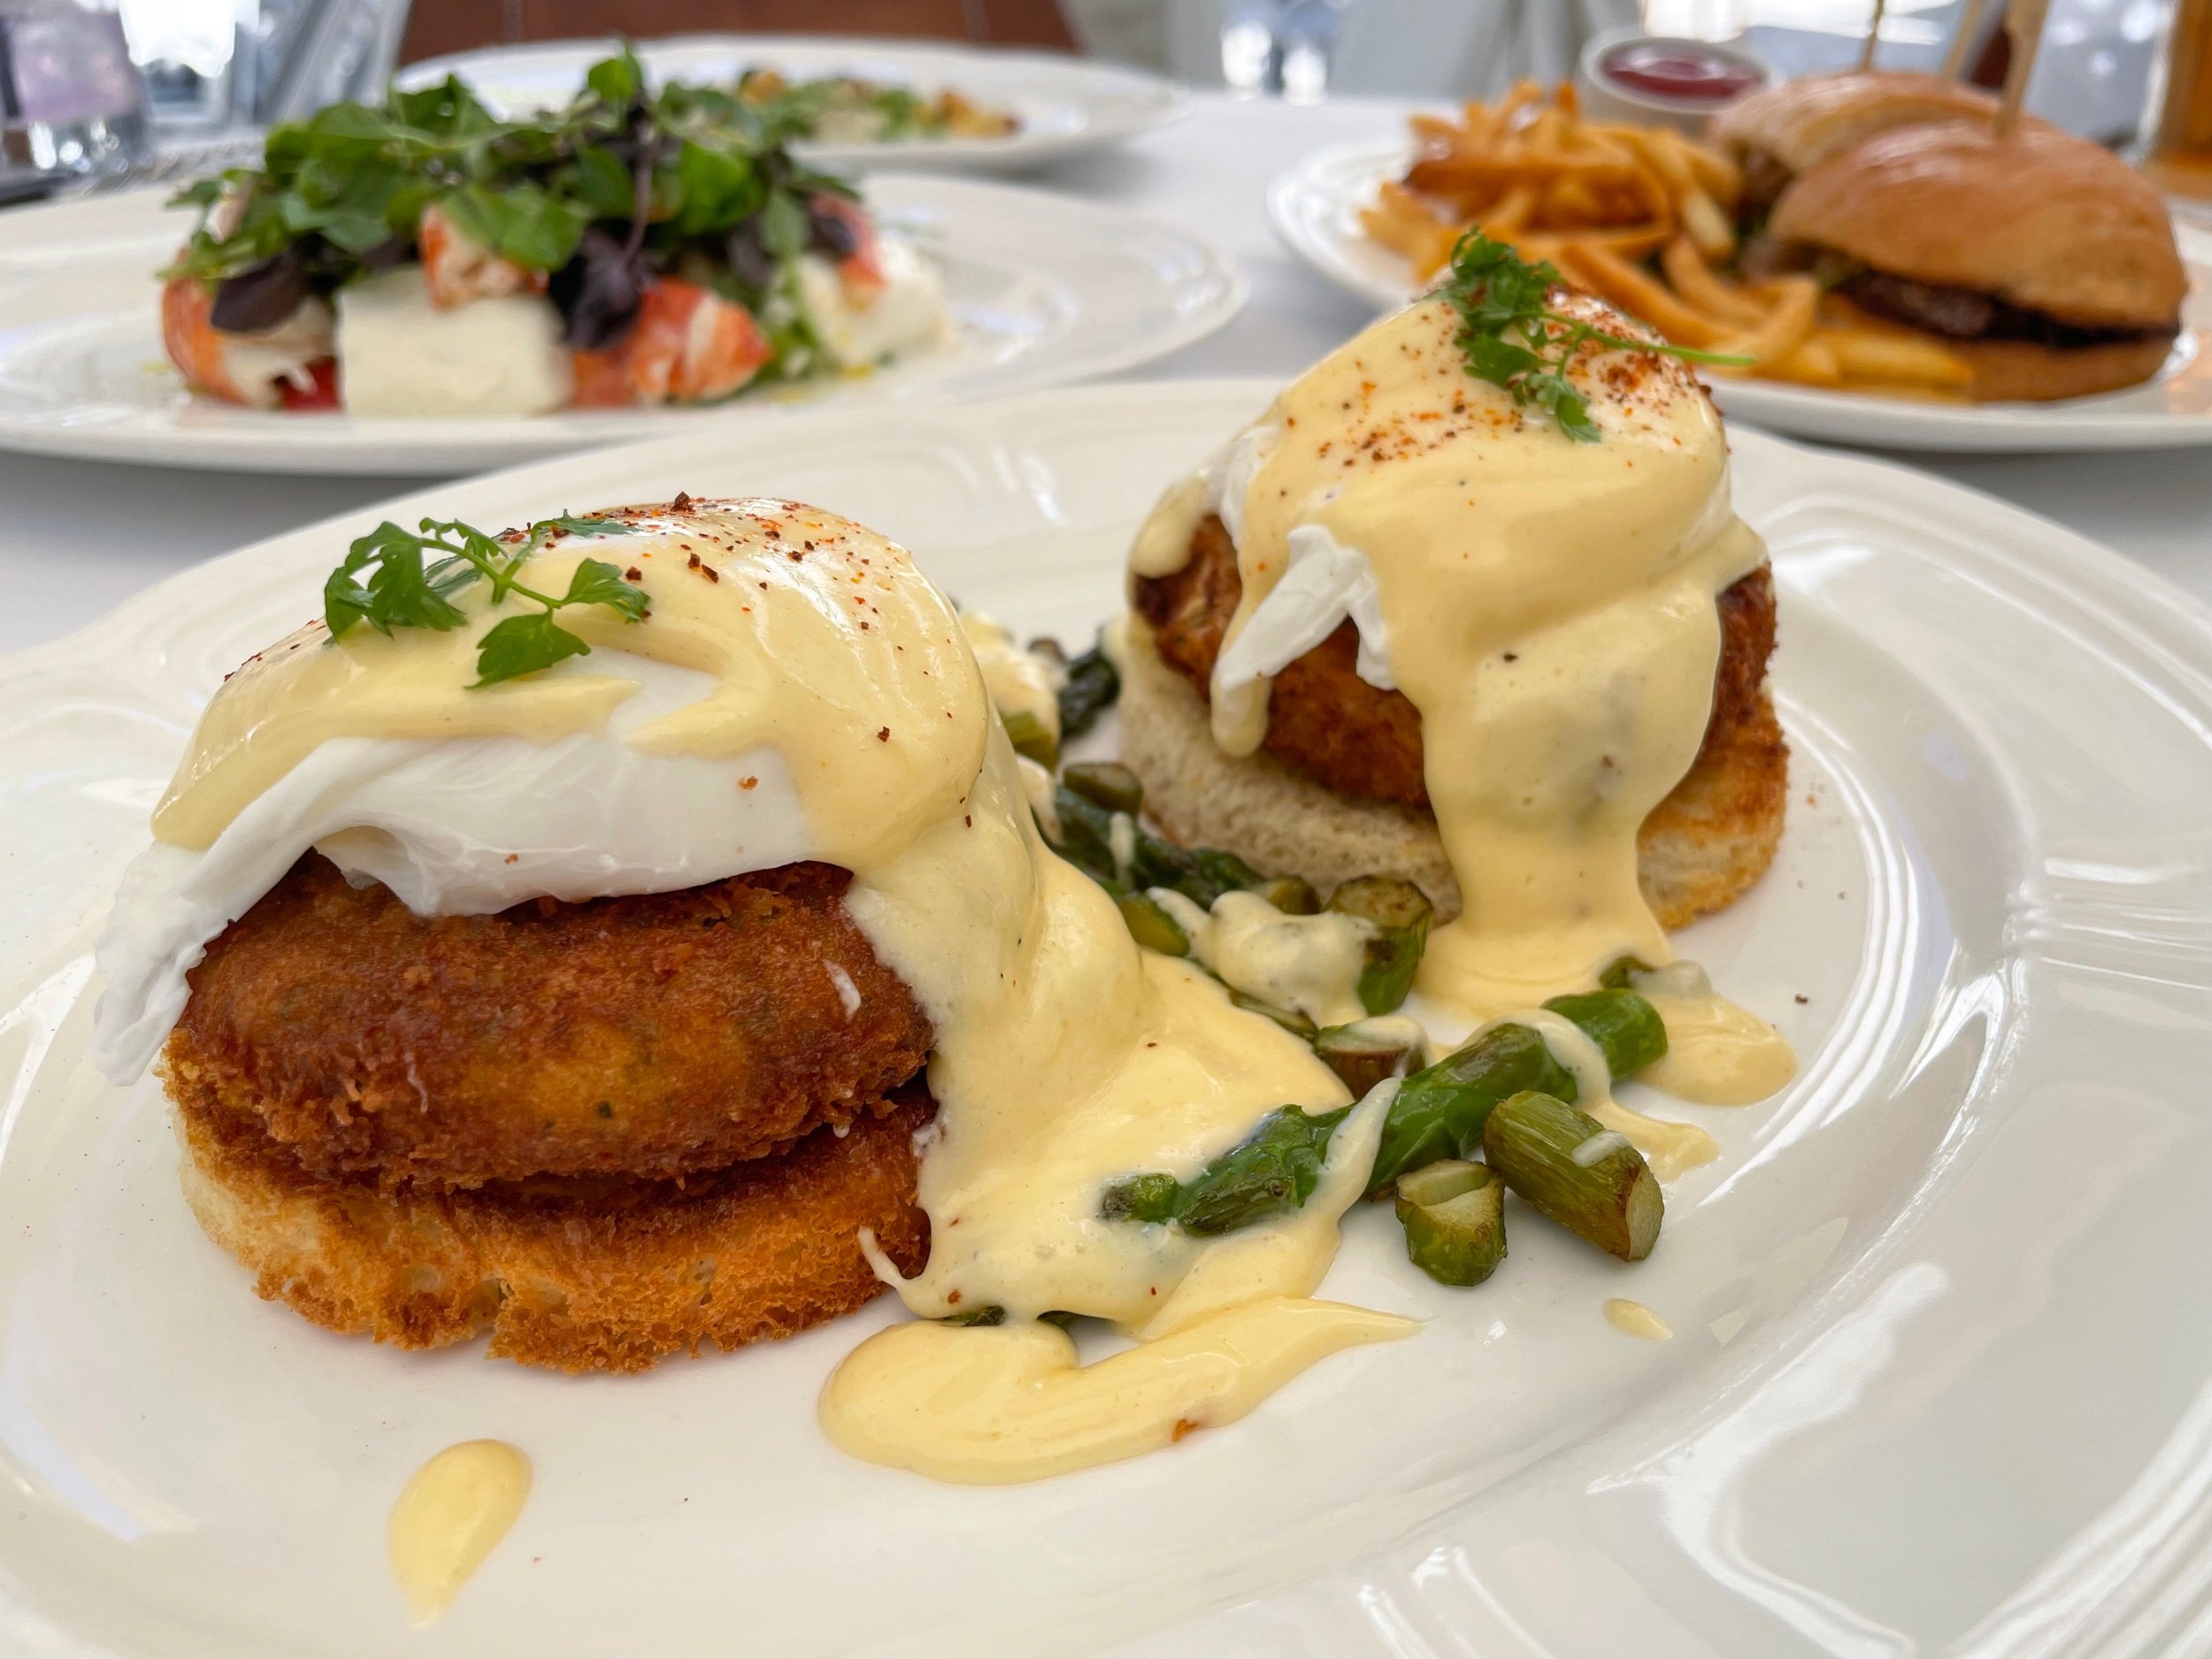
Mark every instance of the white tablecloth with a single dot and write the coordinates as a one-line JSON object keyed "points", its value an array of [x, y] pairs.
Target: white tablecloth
{"points": [[77, 538]]}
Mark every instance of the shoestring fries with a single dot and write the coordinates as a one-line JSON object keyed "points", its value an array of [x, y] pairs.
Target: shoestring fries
{"points": [[1646, 218]]}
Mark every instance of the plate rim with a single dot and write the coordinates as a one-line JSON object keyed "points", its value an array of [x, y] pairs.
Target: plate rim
{"points": [[399, 448], [2073, 565], [2062, 550], [1153, 100], [2070, 426]]}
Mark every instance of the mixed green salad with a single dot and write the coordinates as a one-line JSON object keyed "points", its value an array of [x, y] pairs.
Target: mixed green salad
{"points": [[629, 191]]}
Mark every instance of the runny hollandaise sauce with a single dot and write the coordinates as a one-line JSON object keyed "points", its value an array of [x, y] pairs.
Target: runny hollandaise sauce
{"points": [[1549, 608], [1065, 1058]]}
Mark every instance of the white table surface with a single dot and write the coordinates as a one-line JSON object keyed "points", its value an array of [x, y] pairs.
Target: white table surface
{"points": [[76, 538]]}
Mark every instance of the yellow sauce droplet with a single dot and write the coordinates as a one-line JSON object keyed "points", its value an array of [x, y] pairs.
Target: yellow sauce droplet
{"points": [[988, 1406], [1671, 1149], [1633, 1319], [1718, 1054], [452, 1513]]}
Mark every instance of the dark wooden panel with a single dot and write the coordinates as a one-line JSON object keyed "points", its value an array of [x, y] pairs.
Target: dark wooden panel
{"points": [[436, 27]]}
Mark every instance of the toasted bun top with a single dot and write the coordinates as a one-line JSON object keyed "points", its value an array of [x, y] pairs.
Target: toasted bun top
{"points": [[1800, 123], [2038, 217]]}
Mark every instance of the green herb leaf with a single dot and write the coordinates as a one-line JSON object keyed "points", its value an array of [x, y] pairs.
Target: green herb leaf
{"points": [[521, 222], [784, 226], [448, 109], [568, 524], [523, 645], [1514, 338], [618, 81], [399, 593], [719, 188], [604, 183], [411, 577], [597, 582]]}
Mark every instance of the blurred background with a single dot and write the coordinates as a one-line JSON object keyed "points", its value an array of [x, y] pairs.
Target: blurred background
{"points": [[208, 72]]}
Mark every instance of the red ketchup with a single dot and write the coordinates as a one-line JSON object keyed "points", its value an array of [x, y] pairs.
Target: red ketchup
{"points": [[1683, 69]]}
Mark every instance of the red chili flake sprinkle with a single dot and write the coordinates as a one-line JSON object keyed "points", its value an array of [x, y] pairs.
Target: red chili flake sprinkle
{"points": [[634, 575], [513, 857], [748, 783], [683, 503], [692, 563], [883, 735], [1186, 1425]]}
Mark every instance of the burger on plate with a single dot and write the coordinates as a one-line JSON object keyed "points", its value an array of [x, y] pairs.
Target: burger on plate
{"points": [[1793, 126], [2045, 261]]}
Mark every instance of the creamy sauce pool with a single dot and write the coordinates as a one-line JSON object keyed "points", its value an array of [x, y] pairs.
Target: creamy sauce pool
{"points": [[450, 1515], [1065, 1058], [1548, 606]]}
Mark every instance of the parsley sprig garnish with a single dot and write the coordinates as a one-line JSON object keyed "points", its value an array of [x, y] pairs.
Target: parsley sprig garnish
{"points": [[1514, 339], [393, 578]]}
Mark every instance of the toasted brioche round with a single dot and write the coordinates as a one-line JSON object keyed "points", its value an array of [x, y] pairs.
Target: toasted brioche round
{"points": [[652, 1035], [1698, 851], [2039, 219], [1800, 123], [609, 1274]]}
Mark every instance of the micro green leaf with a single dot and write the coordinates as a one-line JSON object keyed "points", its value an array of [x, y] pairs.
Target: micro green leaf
{"points": [[569, 525], [597, 582], [522, 645], [1514, 338], [618, 81], [393, 578], [522, 222]]}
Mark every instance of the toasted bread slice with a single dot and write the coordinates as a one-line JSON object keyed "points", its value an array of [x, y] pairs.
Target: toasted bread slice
{"points": [[605, 1273], [1698, 851]]}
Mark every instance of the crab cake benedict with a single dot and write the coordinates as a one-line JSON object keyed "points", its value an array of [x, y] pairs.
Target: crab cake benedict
{"points": [[528, 1000], [1411, 623], [630, 932]]}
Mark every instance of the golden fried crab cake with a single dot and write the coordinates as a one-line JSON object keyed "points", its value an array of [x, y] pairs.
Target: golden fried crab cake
{"points": [[652, 1035], [1339, 789]]}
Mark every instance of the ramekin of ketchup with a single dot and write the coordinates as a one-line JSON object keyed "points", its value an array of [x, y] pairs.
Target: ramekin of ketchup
{"points": [[1664, 79]]}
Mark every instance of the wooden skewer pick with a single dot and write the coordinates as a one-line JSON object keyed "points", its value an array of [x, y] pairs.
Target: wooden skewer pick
{"points": [[1969, 28], [1873, 33], [2024, 22]]}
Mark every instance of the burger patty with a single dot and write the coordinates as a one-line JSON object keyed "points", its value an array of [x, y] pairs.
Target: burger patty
{"points": [[1327, 723], [1958, 313], [656, 1035]]}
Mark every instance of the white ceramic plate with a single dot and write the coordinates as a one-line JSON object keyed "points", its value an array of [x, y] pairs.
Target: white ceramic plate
{"points": [[1314, 209], [1940, 1383], [1067, 105], [1044, 289]]}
